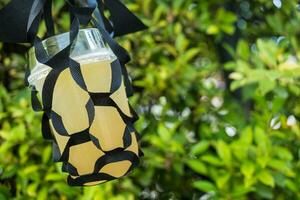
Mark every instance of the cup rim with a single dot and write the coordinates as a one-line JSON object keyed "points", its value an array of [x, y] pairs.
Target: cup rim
{"points": [[59, 36], [90, 34]]}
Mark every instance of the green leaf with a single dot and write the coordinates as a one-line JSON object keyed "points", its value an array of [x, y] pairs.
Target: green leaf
{"points": [[236, 76], [190, 54], [42, 194], [261, 139], [54, 177], [164, 133], [32, 189], [267, 52], [264, 192], [47, 154], [239, 190], [9, 171], [247, 136], [222, 181], [282, 166], [240, 150], [212, 29], [243, 49], [236, 84], [224, 152], [200, 147], [266, 178], [228, 28], [197, 166], [266, 86], [30, 169], [248, 169], [292, 186], [181, 43], [205, 186], [283, 153], [64, 189], [213, 160]]}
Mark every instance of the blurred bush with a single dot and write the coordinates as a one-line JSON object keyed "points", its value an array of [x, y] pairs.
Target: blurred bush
{"points": [[217, 88]]}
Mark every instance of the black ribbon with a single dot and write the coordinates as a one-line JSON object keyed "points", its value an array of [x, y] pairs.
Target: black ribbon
{"points": [[14, 20], [20, 19]]}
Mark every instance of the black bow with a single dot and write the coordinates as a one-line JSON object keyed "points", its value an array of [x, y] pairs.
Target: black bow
{"points": [[20, 19]]}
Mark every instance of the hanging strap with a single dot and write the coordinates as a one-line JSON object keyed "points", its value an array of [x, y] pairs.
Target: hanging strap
{"points": [[123, 20], [49, 18], [118, 50]]}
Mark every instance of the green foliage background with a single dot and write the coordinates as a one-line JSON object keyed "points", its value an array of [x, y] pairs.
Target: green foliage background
{"points": [[217, 88]]}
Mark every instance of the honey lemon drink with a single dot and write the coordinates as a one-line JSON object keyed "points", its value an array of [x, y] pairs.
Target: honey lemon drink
{"points": [[69, 101]]}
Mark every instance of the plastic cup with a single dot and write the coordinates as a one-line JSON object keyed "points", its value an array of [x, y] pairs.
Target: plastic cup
{"points": [[70, 100]]}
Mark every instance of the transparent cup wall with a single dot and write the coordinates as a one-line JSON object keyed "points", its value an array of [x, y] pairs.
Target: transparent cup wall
{"points": [[69, 102]]}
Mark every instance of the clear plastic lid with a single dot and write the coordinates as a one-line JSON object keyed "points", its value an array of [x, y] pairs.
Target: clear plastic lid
{"points": [[88, 47]]}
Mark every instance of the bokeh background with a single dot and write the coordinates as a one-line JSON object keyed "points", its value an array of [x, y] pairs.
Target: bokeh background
{"points": [[217, 87]]}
